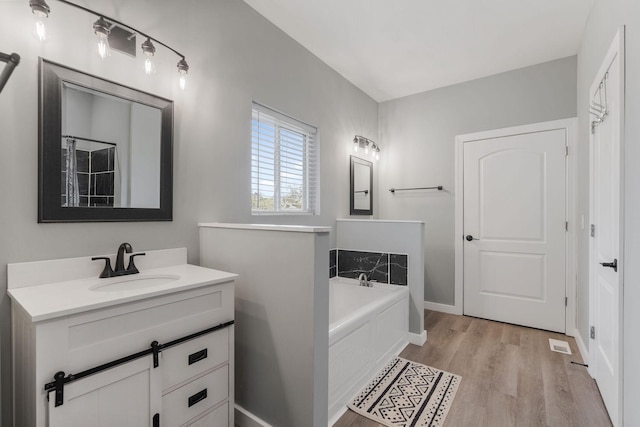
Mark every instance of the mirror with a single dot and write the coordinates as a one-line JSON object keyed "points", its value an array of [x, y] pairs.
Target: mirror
{"points": [[361, 193], [105, 150]]}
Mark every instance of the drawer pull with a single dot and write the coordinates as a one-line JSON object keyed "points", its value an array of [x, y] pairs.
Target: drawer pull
{"points": [[197, 356], [201, 395]]}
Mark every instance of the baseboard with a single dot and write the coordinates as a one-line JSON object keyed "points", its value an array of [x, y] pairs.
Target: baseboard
{"points": [[417, 339], [444, 308], [581, 347], [244, 418], [337, 416]]}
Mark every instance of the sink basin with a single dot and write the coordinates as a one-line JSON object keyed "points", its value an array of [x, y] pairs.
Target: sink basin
{"points": [[127, 283]]}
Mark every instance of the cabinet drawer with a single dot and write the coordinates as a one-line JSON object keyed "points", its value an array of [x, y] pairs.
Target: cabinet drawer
{"points": [[218, 417], [196, 397], [193, 357]]}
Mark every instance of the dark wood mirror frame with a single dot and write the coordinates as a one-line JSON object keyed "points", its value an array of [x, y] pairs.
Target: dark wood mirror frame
{"points": [[352, 193], [51, 80]]}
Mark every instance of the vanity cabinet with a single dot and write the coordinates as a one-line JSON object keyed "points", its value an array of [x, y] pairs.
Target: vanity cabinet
{"points": [[192, 384]]}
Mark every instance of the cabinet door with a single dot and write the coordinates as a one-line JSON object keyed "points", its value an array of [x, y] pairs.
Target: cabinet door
{"points": [[125, 396]]}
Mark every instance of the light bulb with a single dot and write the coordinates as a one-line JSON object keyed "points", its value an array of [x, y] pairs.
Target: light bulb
{"points": [[377, 156], [40, 10], [40, 30], [149, 67], [104, 49], [102, 29], [149, 50], [183, 69], [366, 148]]}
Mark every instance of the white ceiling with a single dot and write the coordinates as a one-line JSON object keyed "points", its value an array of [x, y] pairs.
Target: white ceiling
{"points": [[394, 48]]}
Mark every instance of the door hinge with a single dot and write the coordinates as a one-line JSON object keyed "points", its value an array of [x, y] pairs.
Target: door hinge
{"points": [[566, 301], [592, 333], [593, 230], [566, 150], [566, 226]]}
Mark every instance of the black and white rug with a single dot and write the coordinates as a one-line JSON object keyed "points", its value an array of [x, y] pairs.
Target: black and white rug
{"points": [[407, 394]]}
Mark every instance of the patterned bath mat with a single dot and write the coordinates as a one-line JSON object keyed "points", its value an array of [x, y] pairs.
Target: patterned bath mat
{"points": [[407, 394]]}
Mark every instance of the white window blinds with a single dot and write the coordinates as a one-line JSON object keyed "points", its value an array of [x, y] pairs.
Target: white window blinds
{"points": [[284, 164]]}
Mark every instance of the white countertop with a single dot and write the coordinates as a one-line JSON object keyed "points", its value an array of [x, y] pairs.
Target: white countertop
{"points": [[268, 227], [51, 300]]}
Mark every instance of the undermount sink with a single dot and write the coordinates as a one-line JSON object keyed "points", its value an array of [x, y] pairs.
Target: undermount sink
{"points": [[133, 282]]}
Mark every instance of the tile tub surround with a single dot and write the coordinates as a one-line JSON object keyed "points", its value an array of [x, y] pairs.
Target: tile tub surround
{"points": [[398, 269], [333, 263], [379, 267]]}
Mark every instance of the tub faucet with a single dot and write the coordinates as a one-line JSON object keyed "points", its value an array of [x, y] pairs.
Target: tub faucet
{"points": [[364, 280]]}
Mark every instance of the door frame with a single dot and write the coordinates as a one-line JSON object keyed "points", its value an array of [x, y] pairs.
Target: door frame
{"points": [[570, 128], [617, 47]]}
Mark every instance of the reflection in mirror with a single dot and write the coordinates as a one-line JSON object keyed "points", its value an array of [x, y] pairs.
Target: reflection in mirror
{"points": [[111, 150], [105, 150], [361, 194], [361, 198], [89, 173]]}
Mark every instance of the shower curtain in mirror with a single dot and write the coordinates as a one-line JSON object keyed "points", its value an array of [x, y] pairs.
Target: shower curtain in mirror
{"points": [[71, 180]]}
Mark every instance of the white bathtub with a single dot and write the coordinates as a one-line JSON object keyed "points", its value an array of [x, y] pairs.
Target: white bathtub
{"points": [[367, 326]]}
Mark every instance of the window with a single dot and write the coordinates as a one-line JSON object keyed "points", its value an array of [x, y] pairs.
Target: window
{"points": [[284, 164]]}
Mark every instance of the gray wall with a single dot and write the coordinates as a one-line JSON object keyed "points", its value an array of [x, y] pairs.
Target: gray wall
{"points": [[236, 56], [417, 135], [604, 20], [282, 324]]}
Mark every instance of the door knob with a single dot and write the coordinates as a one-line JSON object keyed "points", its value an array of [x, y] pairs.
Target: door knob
{"points": [[470, 238], [613, 265]]}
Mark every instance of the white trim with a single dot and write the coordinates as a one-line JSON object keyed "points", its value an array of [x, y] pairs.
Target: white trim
{"points": [[393, 221], [337, 415], [584, 352], [442, 308], [244, 418], [267, 227], [570, 127], [617, 48], [417, 339]]}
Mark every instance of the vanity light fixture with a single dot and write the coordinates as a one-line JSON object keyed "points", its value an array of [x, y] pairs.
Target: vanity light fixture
{"points": [[109, 31], [40, 10], [149, 50], [369, 146]]}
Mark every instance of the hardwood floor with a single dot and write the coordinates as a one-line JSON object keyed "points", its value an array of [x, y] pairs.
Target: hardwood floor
{"points": [[510, 377]]}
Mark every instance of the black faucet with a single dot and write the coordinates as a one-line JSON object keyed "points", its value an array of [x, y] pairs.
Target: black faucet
{"points": [[124, 247], [119, 270]]}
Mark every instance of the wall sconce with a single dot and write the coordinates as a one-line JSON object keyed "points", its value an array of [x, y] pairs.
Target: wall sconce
{"points": [[112, 35], [360, 143]]}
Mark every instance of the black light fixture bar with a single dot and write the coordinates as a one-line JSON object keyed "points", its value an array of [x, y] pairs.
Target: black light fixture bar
{"points": [[122, 24], [12, 62]]}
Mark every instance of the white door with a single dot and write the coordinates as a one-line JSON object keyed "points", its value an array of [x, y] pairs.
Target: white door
{"points": [[514, 228], [127, 395], [606, 245]]}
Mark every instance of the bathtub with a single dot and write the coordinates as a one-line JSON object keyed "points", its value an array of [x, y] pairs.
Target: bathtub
{"points": [[367, 326]]}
